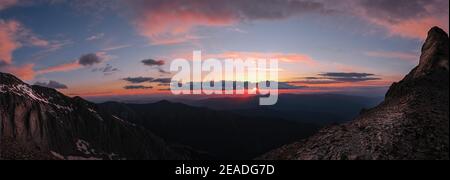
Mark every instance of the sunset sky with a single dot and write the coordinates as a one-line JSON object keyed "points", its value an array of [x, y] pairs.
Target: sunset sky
{"points": [[119, 47]]}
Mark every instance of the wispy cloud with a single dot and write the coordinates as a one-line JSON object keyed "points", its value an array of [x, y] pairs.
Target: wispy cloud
{"points": [[238, 30], [337, 77], [108, 69], [117, 47], [54, 45], [95, 37], [406, 56]]}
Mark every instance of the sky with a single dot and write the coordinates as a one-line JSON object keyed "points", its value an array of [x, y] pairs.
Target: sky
{"points": [[94, 48]]}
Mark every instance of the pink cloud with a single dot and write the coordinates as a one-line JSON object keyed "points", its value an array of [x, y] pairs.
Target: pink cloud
{"points": [[24, 72], [169, 25], [169, 22], [96, 37], [35, 41], [13, 35], [8, 43]]}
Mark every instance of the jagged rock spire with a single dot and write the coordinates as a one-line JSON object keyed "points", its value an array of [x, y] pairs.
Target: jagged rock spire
{"points": [[435, 53]]}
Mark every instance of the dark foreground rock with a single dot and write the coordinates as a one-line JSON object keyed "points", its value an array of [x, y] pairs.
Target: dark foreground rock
{"points": [[41, 123], [411, 124]]}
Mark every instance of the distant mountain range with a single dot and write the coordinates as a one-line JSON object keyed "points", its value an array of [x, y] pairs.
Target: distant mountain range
{"points": [[322, 109], [223, 134], [411, 124]]}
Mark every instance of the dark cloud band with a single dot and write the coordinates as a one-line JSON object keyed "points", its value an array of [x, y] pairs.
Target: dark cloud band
{"points": [[137, 87], [51, 84]]}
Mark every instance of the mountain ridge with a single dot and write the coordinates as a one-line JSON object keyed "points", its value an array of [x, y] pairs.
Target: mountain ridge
{"points": [[41, 123]]}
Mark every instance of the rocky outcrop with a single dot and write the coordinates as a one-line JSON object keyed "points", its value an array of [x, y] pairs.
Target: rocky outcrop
{"points": [[412, 122], [41, 123]]}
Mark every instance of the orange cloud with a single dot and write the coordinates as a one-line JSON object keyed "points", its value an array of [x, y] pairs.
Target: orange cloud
{"points": [[24, 72], [112, 88], [61, 68]]}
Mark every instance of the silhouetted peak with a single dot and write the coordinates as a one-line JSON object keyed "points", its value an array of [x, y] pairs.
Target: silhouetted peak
{"points": [[79, 99], [432, 70], [9, 79], [435, 53], [436, 32]]}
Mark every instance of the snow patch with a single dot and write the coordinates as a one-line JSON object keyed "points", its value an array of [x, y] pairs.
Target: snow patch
{"points": [[95, 113], [92, 110], [65, 108], [25, 90], [123, 121], [91, 154]]}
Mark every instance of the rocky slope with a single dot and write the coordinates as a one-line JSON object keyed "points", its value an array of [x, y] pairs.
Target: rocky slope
{"points": [[41, 123], [412, 122], [222, 134]]}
